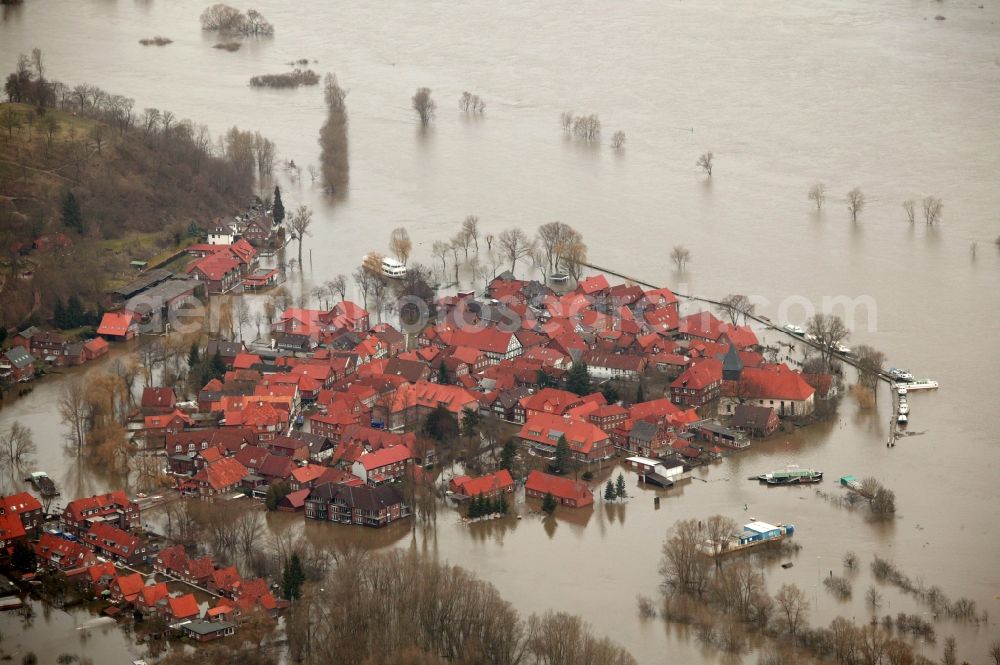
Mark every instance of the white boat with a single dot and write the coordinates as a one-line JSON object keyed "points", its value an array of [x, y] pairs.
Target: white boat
{"points": [[900, 389], [795, 330], [841, 349], [922, 384], [900, 374], [902, 419], [393, 269], [904, 408]]}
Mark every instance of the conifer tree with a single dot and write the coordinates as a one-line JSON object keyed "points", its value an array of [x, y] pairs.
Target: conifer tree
{"points": [[578, 379], [502, 506], [293, 578], [640, 394], [620, 486], [507, 454], [609, 491], [72, 217], [194, 355], [278, 208], [562, 455], [549, 503]]}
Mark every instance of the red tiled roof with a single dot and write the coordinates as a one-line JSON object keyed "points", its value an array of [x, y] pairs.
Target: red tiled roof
{"points": [[546, 429], [488, 339], [22, 502], [158, 397], [222, 474], [308, 473], [699, 375], [225, 578], [499, 481], [560, 488], [214, 266], [116, 323], [385, 457], [154, 593], [593, 284], [101, 503], [129, 585], [773, 382], [550, 400], [99, 570], [183, 607]]}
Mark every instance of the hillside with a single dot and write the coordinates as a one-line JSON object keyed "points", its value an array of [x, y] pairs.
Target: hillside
{"points": [[137, 189]]}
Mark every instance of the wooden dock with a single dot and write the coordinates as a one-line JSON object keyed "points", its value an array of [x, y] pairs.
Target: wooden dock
{"points": [[763, 320]]}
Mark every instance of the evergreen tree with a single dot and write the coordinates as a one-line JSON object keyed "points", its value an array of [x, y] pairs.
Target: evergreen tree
{"points": [[193, 229], [549, 503], [217, 367], [544, 380], [74, 312], [293, 578], [609, 491], [23, 557], [72, 217], [440, 425], [59, 315], [278, 208], [276, 491], [610, 393], [619, 486], [470, 422], [578, 379], [443, 375], [562, 455], [640, 394], [508, 454], [502, 506], [194, 355]]}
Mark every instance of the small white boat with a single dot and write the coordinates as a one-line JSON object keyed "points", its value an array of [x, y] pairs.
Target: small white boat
{"points": [[795, 330], [922, 384], [904, 408], [902, 419], [841, 349], [900, 390]]}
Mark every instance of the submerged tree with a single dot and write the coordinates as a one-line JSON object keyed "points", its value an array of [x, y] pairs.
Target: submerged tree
{"points": [[933, 207], [855, 203], [299, 223], [424, 105], [400, 244], [817, 194], [829, 331], [705, 162], [618, 140], [333, 137], [910, 208], [680, 255]]}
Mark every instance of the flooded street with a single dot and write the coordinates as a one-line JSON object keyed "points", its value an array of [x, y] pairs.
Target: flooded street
{"points": [[875, 95]]}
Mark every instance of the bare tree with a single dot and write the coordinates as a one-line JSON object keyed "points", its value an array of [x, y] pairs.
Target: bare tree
{"points": [[74, 409], [855, 203], [829, 331], [551, 236], [683, 566], [587, 128], [571, 253], [566, 120], [736, 305], [264, 151], [618, 140], [817, 194], [910, 208], [440, 250], [793, 606], [873, 598], [470, 228], [680, 255], [17, 446], [515, 245], [705, 162], [995, 652], [470, 103], [973, 248], [338, 286], [424, 105], [718, 531], [365, 281], [870, 361], [933, 207], [313, 172], [241, 314], [400, 244], [299, 222], [333, 139]]}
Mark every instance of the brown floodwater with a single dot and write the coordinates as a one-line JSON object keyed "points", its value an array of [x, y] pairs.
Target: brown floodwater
{"points": [[875, 95]]}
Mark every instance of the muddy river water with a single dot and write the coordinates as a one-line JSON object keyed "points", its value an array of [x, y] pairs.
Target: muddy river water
{"points": [[871, 94]]}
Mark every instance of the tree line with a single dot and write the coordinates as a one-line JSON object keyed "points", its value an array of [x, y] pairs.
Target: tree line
{"points": [[399, 607]]}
